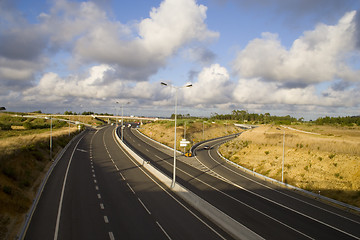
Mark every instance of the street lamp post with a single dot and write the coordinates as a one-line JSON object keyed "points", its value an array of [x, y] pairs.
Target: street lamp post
{"points": [[116, 118], [122, 121], [283, 159], [174, 165], [50, 135]]}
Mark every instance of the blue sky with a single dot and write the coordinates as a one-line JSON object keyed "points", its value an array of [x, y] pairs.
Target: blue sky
{"points": [[296, 57]]}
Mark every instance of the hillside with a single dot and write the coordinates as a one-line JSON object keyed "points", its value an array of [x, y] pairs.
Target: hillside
{"points": [[24, 159], [322, 159]]}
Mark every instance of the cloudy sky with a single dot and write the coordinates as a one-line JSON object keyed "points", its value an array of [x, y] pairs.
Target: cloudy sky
{"points": [[296, 57]]}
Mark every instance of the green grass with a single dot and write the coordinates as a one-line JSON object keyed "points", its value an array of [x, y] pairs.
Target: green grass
{"points": [[21, 169]]}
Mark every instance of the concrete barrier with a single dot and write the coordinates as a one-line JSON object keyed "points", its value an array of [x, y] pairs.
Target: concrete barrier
{"points": [[228, 224]]}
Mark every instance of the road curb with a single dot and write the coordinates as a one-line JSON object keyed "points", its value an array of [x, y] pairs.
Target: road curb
{"points": [[41, 188]]}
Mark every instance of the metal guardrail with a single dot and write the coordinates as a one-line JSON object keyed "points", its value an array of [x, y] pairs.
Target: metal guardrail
{"points": [[348, 206], [199, 143]]}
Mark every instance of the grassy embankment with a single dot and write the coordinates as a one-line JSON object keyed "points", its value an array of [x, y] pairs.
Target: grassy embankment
{"points": [[328, 162], [24, 160], [163, 131], [325, 163]]}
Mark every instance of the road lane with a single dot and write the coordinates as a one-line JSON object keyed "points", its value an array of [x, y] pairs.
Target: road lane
{"points": [[108, 196], [43, 220], [324, 214], [268, 218], [178, 220]]}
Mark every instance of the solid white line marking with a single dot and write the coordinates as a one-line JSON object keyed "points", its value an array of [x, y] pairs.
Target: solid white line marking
{"points": [[63, 190], [101, 206], [111, 235], [106, 219], [162, 229], [284, 206], [192, 213], [144, 206], [99, 196]]}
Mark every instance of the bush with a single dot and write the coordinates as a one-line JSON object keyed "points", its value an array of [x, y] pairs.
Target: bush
{"points": [[7, 190], [5, 126], [27, 125], [10, 172]]}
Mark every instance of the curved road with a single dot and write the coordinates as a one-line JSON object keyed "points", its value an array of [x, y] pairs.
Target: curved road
{"points": [[269, 211], [97, 191]]}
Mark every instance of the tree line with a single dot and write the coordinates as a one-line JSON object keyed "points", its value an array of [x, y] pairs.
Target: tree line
{"points": [[87, 113], [243, 116]]}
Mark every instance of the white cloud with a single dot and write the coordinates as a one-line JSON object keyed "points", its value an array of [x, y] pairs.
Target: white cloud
{"points": [[139, 53], [122, 56], [317, 56], [213, 87], [272, 76]]}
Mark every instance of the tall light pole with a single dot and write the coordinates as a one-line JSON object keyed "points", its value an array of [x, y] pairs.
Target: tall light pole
{"points": [[283, 159], [50, 135], [116, 118], [204, 130], [122, 121], [174, 165]]}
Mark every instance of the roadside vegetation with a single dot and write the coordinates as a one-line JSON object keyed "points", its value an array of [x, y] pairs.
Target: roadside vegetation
{"points": [[193, 130], [322, 156], [24, 159], [325, 163]]}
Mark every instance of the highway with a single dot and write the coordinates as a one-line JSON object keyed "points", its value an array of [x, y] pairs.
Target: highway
{"points": [[269, 211], [97, 191]]}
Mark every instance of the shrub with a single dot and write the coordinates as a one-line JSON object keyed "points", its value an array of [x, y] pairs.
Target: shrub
{"points": [[10, 172], [5, 126], [27, 125], [267, 152], [331, 156], [7, 190]]}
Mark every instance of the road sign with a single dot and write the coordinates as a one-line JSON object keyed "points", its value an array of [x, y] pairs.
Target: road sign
{"points": [[184, 143]]}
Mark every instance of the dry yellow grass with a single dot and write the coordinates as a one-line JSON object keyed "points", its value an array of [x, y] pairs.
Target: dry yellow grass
{"points": [[11, 144], [164, 132], [328, 162], [21, 174]]}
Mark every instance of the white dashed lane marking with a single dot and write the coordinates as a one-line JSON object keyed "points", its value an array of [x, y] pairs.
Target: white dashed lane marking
{"points": [[111, 235]]}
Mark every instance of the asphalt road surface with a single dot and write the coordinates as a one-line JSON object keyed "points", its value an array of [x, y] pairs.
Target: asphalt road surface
{"points": [[97, 191], [266, 209]]}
